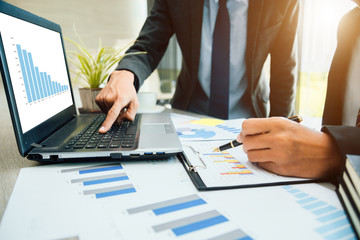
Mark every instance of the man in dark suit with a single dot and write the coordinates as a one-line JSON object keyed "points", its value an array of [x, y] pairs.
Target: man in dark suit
{"points": [[288, 148], [269, 28]]}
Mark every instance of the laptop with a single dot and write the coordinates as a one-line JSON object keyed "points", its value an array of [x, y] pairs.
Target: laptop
{"points": [[41, 102]]}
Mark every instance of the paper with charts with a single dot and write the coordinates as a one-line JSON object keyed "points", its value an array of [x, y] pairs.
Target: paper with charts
{"points": [[205, 129], [185, 217], [228, 168], [156, 200], [112, 201]]}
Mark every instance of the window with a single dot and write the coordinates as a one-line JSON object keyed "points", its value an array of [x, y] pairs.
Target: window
{"points": [[319, 21]]}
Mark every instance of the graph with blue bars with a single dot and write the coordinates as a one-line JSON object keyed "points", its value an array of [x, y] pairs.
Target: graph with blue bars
{"points": [[333, 223], [105, 180], [38, 84], [188, 224]]}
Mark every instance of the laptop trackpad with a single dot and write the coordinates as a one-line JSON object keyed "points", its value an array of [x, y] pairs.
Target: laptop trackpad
{"points": [[153, 129]]}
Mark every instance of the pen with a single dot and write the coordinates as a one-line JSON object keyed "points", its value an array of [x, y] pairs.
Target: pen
{"points": [[235, 143]]}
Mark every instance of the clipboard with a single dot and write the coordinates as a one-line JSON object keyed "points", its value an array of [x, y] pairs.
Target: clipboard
{"points": [[199, 166]]}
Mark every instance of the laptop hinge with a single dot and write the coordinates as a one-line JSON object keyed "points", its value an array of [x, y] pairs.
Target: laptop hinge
{"points": [[36, 145]]}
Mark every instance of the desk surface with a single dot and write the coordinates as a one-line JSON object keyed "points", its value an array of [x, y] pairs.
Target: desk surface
{"points": [[10, 160]]}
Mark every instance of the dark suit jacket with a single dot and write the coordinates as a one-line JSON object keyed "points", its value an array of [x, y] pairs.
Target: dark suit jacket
{"points": [[272, 26], [347, 138]]}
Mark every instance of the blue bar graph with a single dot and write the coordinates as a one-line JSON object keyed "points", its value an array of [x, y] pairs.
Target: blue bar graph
{"points": [[192, 223], [345, 232], [101, 179], [171, 205], [334, 224], [293, 191], [332, 216], [114, 193], [301, 195], [314, 205], [188, 224], [23, 70], [180, 206], [105, 180], [38, 85], [306, 200], [324, 210], [229, 129], [199, 225]]}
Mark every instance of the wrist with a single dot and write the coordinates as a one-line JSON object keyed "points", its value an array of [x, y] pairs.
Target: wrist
{"points": [[123, 75], [332, 155], [130, 75]]}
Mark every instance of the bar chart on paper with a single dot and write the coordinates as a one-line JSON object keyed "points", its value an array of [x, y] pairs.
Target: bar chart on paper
{"points": [[38, 84], [230, 165], [100, 181], [330, 220], [186, 216], [228, 168]]}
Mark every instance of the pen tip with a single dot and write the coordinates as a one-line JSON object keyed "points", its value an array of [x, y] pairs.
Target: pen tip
{"points": [[216, 150]]}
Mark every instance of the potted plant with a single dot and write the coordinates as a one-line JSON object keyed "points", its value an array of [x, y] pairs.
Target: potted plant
{"points": [[92, 69]]}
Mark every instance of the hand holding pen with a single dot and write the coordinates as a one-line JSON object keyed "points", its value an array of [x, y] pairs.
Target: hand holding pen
{"points": [[235, 143], [288, 148]]}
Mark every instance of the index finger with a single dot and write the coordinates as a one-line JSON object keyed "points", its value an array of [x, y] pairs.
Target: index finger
{"points": [[112, 115]]}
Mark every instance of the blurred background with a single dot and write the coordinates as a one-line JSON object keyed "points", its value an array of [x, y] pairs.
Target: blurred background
{"points": [[118, 22]]}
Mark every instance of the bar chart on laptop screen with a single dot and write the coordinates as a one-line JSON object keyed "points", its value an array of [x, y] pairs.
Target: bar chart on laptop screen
{"points": [[37, 68], [38, 84]]}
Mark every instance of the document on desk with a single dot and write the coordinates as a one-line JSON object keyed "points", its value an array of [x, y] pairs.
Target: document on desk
{"points": [[60, 201], [115, 200], [228, 169], [205, 129], [188, 216]]}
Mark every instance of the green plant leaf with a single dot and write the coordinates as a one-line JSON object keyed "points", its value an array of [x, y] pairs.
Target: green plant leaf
{"points": [[92, 70]]}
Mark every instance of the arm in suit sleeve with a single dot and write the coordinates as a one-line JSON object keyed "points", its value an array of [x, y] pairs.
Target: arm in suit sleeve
{"points": [[153, 39], [347, 138], [283, 65]]}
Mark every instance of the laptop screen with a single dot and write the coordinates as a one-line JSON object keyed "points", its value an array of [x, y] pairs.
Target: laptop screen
{"points": [[37, 69]]}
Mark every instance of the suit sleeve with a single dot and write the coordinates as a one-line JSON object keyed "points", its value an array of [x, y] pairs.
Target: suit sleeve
{"points": [[283, 65], [153, 39], [347, 138]]}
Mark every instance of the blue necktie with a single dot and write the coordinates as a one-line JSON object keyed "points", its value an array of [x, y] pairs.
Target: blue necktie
{"points": [[219, 87]]}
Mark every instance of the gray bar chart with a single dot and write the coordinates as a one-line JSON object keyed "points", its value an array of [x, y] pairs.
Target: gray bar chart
{"points": [[94, 168], [189, 222], [170, 205], [101, 179], [108, 179], [236, 234], [192, 223]]}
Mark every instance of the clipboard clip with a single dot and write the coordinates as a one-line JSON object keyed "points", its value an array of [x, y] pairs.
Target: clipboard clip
{"points": [[198, 154]]}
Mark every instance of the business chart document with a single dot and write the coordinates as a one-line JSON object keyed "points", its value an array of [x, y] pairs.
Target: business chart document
{"points": [[113, 201], [205, 129], [157, 200], [227, 169]]}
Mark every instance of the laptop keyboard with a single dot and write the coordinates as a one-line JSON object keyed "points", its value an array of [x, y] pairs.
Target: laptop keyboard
{"points": [[122, 135]]}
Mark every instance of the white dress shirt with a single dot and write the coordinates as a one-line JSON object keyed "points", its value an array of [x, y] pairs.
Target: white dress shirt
{"points": [[239, 103]]}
